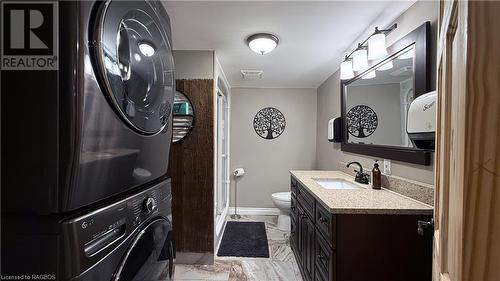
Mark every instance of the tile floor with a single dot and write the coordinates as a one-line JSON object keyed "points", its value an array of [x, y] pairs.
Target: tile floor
{"points": [[280, 266]]}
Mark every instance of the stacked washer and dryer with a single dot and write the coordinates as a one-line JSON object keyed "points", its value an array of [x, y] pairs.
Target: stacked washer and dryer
{"points": [[85, 194]]}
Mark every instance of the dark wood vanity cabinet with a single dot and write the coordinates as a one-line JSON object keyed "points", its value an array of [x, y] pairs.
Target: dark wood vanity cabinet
{"points": [[325, 259], [356, 247], [306, 241]]}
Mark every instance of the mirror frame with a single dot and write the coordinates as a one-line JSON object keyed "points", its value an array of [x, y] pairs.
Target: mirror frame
{"points": [[420, 38]]}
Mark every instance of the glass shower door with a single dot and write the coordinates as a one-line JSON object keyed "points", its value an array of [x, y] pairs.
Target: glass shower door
{"points": [[223, 183]]}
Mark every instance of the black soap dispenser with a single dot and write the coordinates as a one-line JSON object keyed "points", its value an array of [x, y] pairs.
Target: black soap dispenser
{"points": [[376, 176]]}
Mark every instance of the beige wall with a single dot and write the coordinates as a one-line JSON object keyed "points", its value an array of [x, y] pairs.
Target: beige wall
{"points": [[384, 99], [194, 64], [267, 162], [329, 155]]}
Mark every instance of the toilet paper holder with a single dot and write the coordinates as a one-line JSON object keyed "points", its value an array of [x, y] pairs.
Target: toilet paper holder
{"points": [[238, 172]]}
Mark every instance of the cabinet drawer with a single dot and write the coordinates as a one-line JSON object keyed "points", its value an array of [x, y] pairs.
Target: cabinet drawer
{"points": [[326, 224], [324, 260], [306, 200]]}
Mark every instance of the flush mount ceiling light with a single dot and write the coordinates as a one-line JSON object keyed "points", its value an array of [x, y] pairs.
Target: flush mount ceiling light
{"points": [[146, 49], [372, 48], [262, 43]]}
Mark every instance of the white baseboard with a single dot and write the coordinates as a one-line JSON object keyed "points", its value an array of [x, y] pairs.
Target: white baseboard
{"points": [[255, 211]]}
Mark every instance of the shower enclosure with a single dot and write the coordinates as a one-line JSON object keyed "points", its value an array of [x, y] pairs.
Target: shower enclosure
{"points": [[223, 173]]}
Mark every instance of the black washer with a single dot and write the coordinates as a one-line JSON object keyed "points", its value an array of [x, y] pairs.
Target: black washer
{"points": [[150, 256]]}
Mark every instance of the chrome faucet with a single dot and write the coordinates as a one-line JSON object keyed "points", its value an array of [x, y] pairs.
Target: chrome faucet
{"points": [[360, 176]]}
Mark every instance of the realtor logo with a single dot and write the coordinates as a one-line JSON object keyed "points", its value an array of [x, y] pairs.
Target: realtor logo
{"points": [[29, 35]]}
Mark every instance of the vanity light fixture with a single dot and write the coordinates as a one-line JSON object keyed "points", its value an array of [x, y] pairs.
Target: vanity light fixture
{"points": [[376, 45], [262, 43], [346, 71], [360, 59], [372, 48]]}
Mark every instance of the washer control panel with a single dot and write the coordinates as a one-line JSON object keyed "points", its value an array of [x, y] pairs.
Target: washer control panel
{"points": [[97, 233]]}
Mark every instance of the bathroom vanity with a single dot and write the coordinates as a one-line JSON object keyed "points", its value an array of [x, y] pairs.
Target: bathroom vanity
{"points": [[345, 231]]}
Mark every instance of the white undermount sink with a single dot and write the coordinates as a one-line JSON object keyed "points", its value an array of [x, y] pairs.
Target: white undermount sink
{"points": [[336, 184]]}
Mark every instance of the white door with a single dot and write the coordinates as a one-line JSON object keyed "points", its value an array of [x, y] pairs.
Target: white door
{"points": [[467, 204]]}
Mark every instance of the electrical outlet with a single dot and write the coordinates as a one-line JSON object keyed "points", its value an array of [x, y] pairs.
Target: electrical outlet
{"points": [[387, 167]]}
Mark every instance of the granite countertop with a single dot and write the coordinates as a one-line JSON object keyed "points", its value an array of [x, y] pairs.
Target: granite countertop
{"points": [[363, 200]]}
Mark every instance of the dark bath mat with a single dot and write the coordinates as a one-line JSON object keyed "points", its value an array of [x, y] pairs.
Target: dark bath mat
{"points": [[244, 239]]}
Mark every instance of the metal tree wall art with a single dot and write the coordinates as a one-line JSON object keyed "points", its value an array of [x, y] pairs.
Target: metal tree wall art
{"points": [[362, 121], [269, 123]]}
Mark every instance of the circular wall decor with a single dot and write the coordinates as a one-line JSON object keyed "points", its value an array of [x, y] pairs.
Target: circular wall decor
{"points": [[183, 117], [362, 121], [269, 123]]}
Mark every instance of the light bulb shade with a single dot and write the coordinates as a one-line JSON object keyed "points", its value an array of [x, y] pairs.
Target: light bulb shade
{"points": [[369, 75], [262, 43], [386, 66], [359, 60], [376, 46], [346, 70]]}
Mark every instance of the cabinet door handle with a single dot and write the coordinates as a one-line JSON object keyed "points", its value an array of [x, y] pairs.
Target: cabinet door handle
{"points": [[425, 227], [320, 257], [293, 208], [323, 220]]}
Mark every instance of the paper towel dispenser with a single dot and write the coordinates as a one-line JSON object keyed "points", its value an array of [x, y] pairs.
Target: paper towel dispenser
{"points": [[335, 130], [421, 121]]}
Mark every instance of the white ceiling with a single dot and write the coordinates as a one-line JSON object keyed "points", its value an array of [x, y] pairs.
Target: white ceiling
{"points": [[313, 35]]}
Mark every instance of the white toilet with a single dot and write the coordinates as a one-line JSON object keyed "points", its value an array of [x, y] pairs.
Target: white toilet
{"points": [[282, 201]]}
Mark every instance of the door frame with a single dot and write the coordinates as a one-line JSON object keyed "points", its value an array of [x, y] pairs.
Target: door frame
{"points": [[467, 203]]}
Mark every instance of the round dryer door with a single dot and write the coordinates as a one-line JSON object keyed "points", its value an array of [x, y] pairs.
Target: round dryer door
{"points": [[151, 255], [134, 60]]}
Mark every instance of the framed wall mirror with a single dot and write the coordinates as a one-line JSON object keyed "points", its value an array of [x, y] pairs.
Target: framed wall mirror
{"points": [[183, 117], [375, 102]]}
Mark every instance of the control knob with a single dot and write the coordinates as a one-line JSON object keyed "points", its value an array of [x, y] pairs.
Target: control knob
{"points": [[149, 205]]}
